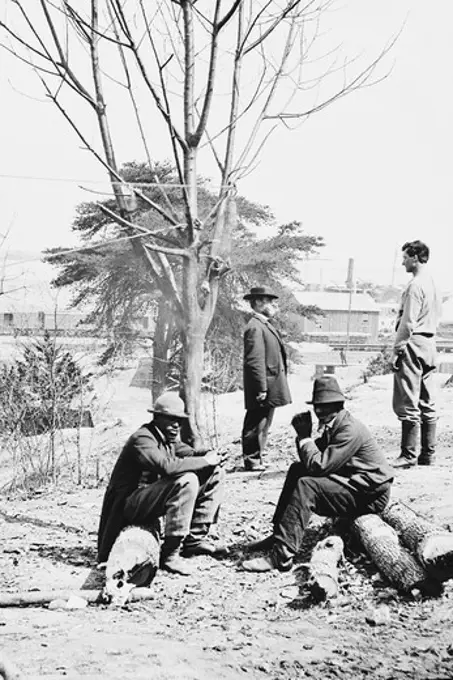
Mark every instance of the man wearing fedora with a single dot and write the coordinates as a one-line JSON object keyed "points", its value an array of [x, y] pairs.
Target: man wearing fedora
{"points": [[265, 375], [157, 475], [343, 473]]}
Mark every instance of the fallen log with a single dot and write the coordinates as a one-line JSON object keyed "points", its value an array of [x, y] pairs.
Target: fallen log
{"points": [[381, 542], [42, 597], [432, 545], [323, 568]]}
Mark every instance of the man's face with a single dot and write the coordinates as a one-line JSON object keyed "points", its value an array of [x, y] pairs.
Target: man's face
{"points": [[325, 413], [169, 426], [409, 263], [267, 306]]}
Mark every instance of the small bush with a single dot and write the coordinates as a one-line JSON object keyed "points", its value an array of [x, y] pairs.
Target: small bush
{"points": [[379, 364]]}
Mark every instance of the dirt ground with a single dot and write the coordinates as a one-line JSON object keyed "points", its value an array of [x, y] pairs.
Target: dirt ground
{"points": [[222, 622]]}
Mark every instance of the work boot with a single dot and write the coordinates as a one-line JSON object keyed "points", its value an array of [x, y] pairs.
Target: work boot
{"points": [[280, 557], [428, 449], [170, 557], [263, 544], [409, 445], [198, 542]]}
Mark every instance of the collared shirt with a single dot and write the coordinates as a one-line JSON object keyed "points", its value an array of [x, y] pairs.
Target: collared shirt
{"points": [[419, 310]]}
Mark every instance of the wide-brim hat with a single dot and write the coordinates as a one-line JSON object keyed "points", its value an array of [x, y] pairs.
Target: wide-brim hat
{"points": [[260, 291], [326, 390], [169, 404]]}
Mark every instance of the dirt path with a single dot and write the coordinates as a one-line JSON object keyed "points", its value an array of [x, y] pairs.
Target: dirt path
{"points": [[222, 622]]}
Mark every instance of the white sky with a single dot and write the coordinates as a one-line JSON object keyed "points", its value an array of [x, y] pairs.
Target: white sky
{"points": [[368, 173]]}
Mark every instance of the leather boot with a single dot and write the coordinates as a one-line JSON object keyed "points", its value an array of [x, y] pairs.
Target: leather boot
{"points": [[409, 445], [428, 449], [198, 543], [170, 557]]}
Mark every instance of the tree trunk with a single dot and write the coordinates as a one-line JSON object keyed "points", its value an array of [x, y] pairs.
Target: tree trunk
{"points": [[395, 562], [431, 544], [323, 568], [161, 346], [192, 374]]}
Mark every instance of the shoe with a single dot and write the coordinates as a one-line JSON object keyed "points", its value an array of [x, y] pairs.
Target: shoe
{"points": [[254, 467], [205, 547], [264, 544], [175, 564], [426, 460], [259, 564], [403, 462]]}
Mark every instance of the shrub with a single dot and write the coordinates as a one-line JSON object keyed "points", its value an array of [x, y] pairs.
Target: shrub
{"points": [[379, 364]]}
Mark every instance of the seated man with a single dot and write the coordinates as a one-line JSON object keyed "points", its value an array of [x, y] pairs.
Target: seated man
{"points": [[156, 475], [341, 474]]}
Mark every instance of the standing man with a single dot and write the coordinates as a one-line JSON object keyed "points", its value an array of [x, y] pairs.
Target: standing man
{"points": [[265, 375], [157, 475], [414, 360], [343, 473]]}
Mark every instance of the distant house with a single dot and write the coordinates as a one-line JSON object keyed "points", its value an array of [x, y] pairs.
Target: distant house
{"points": [[341, 310]]}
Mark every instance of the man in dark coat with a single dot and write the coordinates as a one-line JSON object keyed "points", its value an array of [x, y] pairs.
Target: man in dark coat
{"points": [[265, 375], [157, 475], [341, 474]]}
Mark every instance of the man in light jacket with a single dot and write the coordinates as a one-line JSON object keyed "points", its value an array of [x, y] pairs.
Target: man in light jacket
{"points": [[414, 360], [343, 473], [265, 375]]}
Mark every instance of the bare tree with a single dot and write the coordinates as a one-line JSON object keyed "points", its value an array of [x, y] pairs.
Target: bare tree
{"points": [[216, 77]]}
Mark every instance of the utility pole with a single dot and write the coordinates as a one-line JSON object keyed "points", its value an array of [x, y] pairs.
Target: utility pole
{"points": [[351, 286]]}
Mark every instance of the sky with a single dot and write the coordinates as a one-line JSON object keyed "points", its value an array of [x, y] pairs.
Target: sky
{"points": [[369, 173]]}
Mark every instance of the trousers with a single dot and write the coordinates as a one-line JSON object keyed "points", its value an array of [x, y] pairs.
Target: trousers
{"points": [[303, 495], [255, 430], [185, 501], [413, 388]]}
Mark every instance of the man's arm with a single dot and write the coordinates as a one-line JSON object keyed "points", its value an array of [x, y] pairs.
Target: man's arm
{"points": [[255, 361], [342, 447], [154, 458], [408, 320]]}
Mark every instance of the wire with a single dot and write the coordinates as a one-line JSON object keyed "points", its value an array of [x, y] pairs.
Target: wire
{"points": [[106, 181], [79, 250]]}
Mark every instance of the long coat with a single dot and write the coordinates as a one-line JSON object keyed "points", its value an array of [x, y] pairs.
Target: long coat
{"points": [[265, 365], [145, 458]]}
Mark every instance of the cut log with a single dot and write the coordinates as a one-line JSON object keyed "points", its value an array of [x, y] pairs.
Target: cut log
{"points": [[41, 597], [323, 568], [381, 542], [431, 544]]}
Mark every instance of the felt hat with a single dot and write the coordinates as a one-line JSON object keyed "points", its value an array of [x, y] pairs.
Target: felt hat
{"points": [[260, 291], [169, 404], [326, 390]]}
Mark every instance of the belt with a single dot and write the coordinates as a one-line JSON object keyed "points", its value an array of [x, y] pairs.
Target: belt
{"points": [[425, 335]]}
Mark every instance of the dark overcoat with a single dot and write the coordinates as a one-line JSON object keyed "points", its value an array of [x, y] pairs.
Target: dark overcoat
{"points": [[265, 364], [145, 458], [347, 453]]}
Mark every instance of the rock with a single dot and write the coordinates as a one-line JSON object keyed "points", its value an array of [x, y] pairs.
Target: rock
{"points": [[57, 604], [76, 602], [378, 616]]}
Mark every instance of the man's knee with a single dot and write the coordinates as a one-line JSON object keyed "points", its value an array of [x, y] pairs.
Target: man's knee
{"points": [[187, 483]]}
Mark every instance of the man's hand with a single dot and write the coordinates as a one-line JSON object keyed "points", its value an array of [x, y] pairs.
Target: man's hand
{"points": [[261, 396], [302, 423], [216, 457], [395, 362]]}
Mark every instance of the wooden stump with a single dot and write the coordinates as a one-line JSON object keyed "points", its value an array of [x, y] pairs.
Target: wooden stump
{"points": [[431, 544], [323, 568], [396, 563]]}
